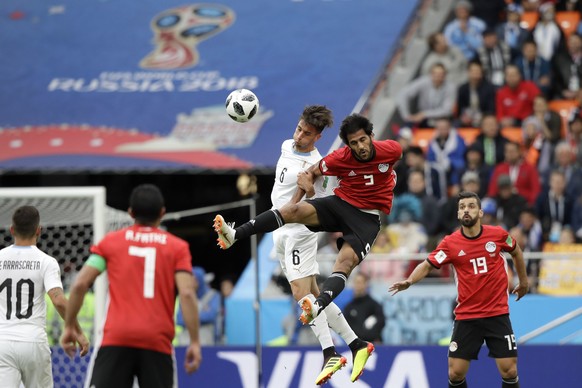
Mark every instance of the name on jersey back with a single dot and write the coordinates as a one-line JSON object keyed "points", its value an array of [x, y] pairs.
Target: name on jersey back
{"points": [[20, 264], [146, 238]]}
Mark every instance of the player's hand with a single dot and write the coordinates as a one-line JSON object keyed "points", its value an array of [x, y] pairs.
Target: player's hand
{"points": [[69, 341], [83, 342], [193, 358], [520, 290], [399, 286]]}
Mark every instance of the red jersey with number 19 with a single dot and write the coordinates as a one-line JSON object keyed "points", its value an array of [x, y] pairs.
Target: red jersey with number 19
{"points": [[366, 185], [141, 264], [480, 270]]}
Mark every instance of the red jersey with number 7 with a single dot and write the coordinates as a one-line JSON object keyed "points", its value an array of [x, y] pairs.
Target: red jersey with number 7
{"points": [[141, 264], [480, 270], [366, 185]]}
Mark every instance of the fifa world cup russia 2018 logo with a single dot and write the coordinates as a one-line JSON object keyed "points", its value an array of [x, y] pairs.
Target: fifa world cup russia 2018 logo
{"points": [[179, 30]]}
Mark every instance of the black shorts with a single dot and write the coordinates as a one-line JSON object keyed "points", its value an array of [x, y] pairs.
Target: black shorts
{"points": [[469, 334], [359, 228], [116, 366]]}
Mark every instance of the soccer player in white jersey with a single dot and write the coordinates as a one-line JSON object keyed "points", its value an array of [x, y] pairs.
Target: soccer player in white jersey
{"points": [[296, 246], [26, 274]]}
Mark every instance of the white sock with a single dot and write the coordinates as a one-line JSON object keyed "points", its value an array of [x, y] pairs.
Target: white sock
{"points": [[320, 328], [338, 323]]}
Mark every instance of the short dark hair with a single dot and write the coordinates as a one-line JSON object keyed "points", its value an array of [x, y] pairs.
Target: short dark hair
{"points": [[352, 124], [25, 221], [469, 194], [416, 150], [318, 116], [146, 203]]}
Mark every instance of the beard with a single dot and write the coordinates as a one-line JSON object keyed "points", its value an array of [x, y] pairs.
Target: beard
{"points": [[469, 222]]}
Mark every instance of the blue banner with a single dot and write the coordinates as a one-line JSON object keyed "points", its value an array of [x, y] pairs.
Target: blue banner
{"points": [[102, 84], [389, 367]]}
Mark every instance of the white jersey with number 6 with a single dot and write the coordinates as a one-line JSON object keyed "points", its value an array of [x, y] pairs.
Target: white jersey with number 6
{"points": [[26, 274], [296, 246]]}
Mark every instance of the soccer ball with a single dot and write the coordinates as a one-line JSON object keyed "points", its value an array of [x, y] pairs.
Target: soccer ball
{"points": [[242, 105]]}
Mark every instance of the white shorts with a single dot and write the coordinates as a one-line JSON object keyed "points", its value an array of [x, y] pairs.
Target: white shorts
{"points": [[26, 362], [296, 249]]}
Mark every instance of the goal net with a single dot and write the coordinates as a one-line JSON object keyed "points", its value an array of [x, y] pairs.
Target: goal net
{"points": [[72, 219]]}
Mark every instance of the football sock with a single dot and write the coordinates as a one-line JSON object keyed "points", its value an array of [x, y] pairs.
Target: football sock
{"points": [[265, 222], [331, 288], [458, 384], [338, 323], [321, 329], [328, 352], [510, 383]]}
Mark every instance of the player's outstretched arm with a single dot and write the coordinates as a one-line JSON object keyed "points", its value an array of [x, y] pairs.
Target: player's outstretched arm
{"points": [[189, 305], [419, 273], [519, 263]]}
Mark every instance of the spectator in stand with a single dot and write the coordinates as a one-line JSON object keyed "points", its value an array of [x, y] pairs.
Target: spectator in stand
{"points": [[384, 270], [488, 10], [575, 136], [364, 314], [435, 97], [476, 97], [577, 219], [491, 142], [537, 149], [404, 137], [510, 31], [532, 227], [554, 207], [474, 164], [523, 176], [569, 5], [509, 203], [209, 302], [534, 68], [429, 217], [514, 101], [551, 121], [489, 207], [567, 69], [447, 149], [530, 230], [465, 31], [565, 161], [547, 33], [434, 175], [469, 182], [494, 55], [449, 56]]}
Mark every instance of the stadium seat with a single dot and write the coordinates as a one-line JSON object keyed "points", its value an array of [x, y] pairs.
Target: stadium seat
{"points": [[564, 108], [568, 21], [422, 136], [514, 134], [529, 20]]}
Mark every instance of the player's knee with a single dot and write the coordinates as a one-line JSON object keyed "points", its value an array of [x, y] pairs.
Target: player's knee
{"points": [[456, 375], [509, 372], [290, 212]]}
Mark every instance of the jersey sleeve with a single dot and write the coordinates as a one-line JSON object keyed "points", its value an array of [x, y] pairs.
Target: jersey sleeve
{"points": [[100, 248], [394, 150], [508, 243], [329, 164], [440, 256], [52, 275]]}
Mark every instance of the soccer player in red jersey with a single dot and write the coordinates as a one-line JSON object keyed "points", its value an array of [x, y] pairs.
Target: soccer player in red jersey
{"points": [[482, 311], [365, 171], [145, 266]]}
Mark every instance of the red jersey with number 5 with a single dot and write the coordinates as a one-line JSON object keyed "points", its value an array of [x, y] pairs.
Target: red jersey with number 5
{"points": [[141, 264], [480, 270], [366, 185]]}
